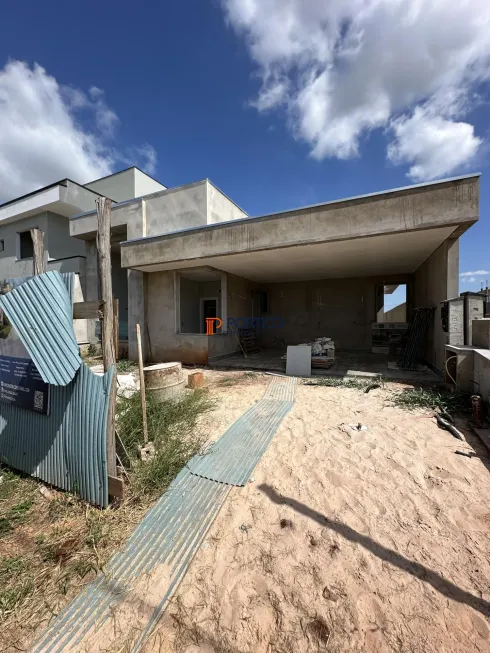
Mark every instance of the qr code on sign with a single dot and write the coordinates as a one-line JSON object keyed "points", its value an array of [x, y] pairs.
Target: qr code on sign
{"points": [[38, 400]]}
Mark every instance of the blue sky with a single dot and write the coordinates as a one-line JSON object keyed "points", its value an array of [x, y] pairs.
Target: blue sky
{"points": [[267, 99]]}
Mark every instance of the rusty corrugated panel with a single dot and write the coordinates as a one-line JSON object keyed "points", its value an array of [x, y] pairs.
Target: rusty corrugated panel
{"points": [[41, 312], [66, 448]]}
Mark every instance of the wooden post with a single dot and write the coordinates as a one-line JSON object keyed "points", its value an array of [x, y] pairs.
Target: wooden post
{"points": [[39, 265], [142, 384], [104, 254], [116, 329]]}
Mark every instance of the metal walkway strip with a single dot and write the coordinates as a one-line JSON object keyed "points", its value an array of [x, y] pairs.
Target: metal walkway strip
{"points": [[235, 455], [282, 388], [170, 533], [168, 536]]}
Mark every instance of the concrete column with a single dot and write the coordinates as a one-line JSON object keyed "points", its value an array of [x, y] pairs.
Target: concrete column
{"points": [[92, 285], [436, 280], [452, 245], [137, 313]]}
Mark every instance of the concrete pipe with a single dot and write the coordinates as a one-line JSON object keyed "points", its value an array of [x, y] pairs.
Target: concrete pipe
{"points": [[164, 381]]}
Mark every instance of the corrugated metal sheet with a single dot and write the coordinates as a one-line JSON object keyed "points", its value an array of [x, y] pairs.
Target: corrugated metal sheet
{"points": [[282, 388], [235, 455], [41, 312], [69, 281], [66, 448], [170, 534]]}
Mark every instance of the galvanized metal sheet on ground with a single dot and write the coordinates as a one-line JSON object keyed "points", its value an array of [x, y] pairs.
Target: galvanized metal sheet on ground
{"points": [[40, 310], [235, 455], [132, 593], [155, 558]]}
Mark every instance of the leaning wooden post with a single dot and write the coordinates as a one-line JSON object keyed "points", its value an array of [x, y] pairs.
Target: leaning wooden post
{"points": [[142, 384], [104, 254], [39, 265], [115, 326]]}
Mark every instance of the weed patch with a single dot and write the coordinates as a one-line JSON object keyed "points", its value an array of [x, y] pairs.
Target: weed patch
{"points": [[125, 366], [432, 399], [346, 382], [171, 428]]}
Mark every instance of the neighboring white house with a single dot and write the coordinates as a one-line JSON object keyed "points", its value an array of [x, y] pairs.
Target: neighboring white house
{"points": [[50, 209]]}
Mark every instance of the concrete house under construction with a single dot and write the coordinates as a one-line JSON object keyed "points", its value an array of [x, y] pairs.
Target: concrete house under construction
{"points": [[323, 270]]}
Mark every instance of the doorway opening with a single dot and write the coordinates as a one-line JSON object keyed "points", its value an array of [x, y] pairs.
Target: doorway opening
{"points": [[208, 309]]}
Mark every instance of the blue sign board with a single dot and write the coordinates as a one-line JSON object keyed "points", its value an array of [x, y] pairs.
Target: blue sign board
{"points": [[20, 381], [22, 385]]}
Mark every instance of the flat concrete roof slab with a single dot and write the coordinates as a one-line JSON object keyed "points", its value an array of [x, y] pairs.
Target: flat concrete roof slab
{"points": [[390, 254], [390, 233]]}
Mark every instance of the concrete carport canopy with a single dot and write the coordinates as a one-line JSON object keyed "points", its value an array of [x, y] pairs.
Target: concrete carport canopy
{"points": [[386, 233]]}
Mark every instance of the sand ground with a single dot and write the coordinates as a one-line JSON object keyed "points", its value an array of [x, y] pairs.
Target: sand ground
{"points": [[344, 540]]}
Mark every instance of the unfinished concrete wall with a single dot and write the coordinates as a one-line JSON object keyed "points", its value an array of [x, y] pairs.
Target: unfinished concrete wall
{"points": [[239, 305], [126, 185], [220, 207], [11, 265], [481, 333], [176, 209], [57, 240], [144, 185], [435, 281], [481, 374], [473, 310], [341, 309], [189, 307], [191, 293], [164, 343]]}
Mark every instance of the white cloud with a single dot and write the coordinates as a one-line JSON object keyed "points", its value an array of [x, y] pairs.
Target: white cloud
{"points": [[49, 132], [476, 273], [432, 144], [342, 68], [148, 156]]}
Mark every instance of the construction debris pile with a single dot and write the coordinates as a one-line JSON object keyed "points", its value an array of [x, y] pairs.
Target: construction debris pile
{"points": [[322, 347], [322, 352]]}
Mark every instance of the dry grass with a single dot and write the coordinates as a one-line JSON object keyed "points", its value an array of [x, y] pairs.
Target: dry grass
{"points": [[52, 546], [237, 379], [49, 549]]}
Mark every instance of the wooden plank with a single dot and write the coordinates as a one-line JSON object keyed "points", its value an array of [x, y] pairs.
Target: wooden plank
{"points": [[116, 329], [104, 205], [142, 384], [116, 487], [88, 310], [39, 264]]}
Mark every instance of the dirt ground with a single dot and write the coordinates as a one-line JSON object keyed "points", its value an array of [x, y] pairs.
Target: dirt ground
{"points": [[344, 540]]}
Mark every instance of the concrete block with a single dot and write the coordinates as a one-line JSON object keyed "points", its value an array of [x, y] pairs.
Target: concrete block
{"points": [[195, 380], [298, 361], [481, 333]]}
